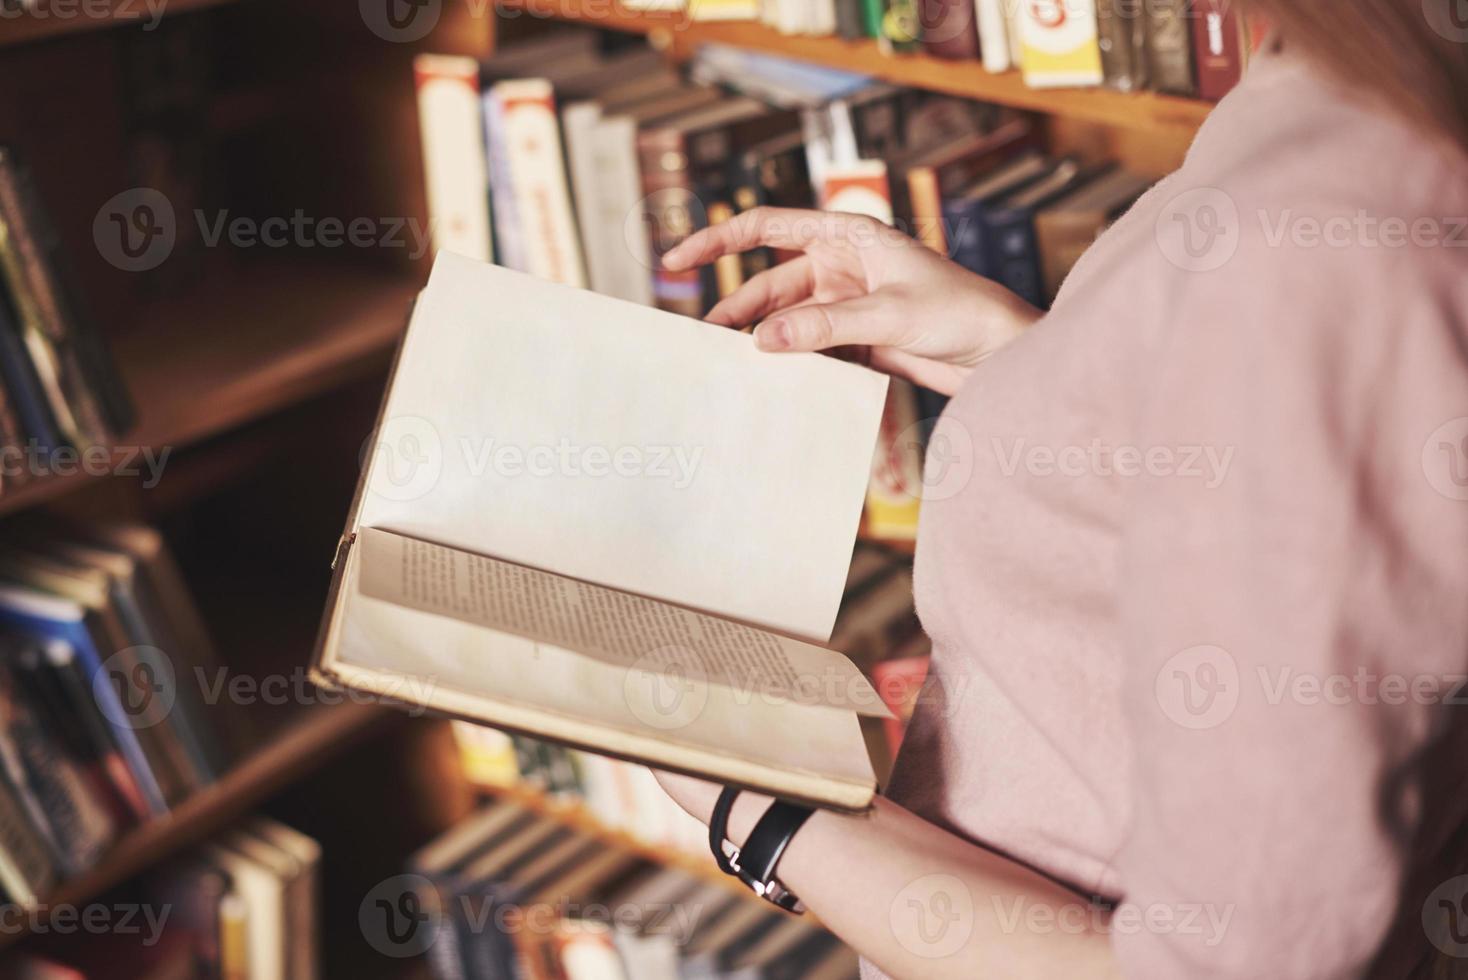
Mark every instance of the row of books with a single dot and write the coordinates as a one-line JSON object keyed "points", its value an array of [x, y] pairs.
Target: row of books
{"points": [[102, 725], [1195, 48], [59, 387], [566, 905], [243, 906]]}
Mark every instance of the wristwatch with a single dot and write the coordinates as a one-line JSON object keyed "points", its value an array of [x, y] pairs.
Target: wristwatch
{"points": [[756, 862]]}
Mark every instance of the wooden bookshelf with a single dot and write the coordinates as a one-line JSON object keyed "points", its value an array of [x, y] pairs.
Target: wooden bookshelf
{"points": [[54, 18], [303, 745], [242, 346], [1164, 115]]}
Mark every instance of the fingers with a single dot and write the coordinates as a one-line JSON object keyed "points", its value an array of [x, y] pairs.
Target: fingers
{"points": [[872, 319], [789, 228], [774, 289]]}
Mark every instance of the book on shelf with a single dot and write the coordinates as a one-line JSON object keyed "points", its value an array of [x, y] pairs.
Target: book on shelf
{"points": [[1170, 47], [244, 905], [1069, 226], [633, 571], [1220, 47], [104, 724], [59, 386], [1121, 35], [1060, 43]]}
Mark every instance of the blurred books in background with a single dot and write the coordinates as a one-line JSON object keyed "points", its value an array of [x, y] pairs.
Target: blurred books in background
{"points": [[242, 906], [102, 723], [511, 893], [59, 389]]}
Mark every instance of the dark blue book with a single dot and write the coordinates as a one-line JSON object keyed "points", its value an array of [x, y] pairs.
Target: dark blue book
{"points": [[19, 377], [964, 214], [52, 618], [1014, 251]]}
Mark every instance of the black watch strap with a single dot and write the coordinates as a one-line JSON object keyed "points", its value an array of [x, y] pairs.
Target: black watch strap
{"points": [[757, 861]]}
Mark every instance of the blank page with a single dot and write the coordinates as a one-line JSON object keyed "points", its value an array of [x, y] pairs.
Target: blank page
{"points": [[625, 446]]}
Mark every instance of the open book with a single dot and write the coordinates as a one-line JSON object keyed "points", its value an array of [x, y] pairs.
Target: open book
{"points": [[610, 526]]}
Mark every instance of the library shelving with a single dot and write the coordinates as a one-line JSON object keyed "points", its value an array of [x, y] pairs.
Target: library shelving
{"points": [[261, 373]]}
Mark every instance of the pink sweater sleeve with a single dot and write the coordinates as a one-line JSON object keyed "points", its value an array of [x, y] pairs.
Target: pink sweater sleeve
{"points": [[1292, 633]]}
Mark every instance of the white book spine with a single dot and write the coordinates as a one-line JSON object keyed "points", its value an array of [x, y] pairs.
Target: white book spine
{"points": [[993, 35], [532, 136], [453, 154], [625, 236], [509, 235]]}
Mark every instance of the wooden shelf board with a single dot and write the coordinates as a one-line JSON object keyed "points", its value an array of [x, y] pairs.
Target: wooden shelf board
{"points": [[242, 346], [1144, 110], [54, 18], [303, 745]]}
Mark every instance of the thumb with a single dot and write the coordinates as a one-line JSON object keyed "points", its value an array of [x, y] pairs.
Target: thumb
{"points": [[871, 319]]}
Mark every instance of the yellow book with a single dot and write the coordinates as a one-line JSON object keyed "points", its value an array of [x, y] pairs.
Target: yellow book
{"points": [[1059, 43]]}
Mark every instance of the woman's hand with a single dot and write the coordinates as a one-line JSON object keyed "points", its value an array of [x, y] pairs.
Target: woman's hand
{"points": [[860, 283]]}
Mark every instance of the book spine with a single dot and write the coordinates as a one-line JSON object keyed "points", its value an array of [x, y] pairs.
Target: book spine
{"points": [[967, 242], [872, 12], [629, 248], [850, 20], [895, 489], [993, 35], [1121, 33], [1015, 257], [1218, 47], [927, 208], [859, 188], [533, 143], [454, 165], [18, 375], [1170, 47], [949, 29], [509, 233], [1060, 42], [105, 400], [27, 872], [728, 269], [670, 210]]}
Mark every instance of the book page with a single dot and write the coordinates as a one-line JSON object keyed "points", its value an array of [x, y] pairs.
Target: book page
{"points": [[624, 446], [460, 668], [617, 628]]}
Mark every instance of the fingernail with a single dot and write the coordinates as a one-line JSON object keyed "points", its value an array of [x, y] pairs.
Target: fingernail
{"points": [[772, 335], [668, 259]]}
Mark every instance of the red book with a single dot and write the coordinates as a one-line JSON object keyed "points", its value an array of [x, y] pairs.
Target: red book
{"points": [[1219, 47], [898, 683]]}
